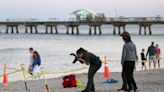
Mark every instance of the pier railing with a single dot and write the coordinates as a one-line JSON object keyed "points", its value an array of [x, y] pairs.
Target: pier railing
{"points": [[112, 19], [121, 19]]}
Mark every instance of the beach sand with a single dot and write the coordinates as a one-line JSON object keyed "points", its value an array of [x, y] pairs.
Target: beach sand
{"points": [[147, 81]]}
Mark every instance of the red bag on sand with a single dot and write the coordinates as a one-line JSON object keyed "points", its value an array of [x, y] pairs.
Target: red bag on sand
{"points": [[69, 81]]}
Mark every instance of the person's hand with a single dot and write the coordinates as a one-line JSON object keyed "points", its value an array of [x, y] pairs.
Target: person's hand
{"points": [[83, 61], [87, 63], [146, 58], [73, 54], [80, 59]]}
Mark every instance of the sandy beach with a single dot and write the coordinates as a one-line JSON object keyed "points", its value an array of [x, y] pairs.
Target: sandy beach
{"points": [[147, 81]]}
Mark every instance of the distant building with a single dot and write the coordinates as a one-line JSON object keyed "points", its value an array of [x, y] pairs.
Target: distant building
{"points": [[86, 15]]}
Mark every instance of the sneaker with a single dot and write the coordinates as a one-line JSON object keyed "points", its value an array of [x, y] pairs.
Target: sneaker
{"points": [[84, 91], [92, 90], [122, 89], [128, 90], [136, 90]]}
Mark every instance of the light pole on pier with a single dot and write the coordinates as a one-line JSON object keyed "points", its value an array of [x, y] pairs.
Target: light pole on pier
{"points": [[115, 12]]}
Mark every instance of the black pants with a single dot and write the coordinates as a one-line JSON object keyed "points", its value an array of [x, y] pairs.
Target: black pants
{"points": [[128, 69], [92, 70], [124, 85]]}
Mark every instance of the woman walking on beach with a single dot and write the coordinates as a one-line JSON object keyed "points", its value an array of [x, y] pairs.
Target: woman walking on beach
{"points": [[129, 56], [95, 63], [37, 62], [158, 53]]}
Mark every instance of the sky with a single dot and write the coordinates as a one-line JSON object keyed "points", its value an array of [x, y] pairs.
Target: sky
{"points": [[44, 9]]}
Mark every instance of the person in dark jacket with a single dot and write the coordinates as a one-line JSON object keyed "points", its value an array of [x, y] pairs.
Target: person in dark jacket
{"points": [[37, 62], [129, 56], [152, 55], [95, 63]]}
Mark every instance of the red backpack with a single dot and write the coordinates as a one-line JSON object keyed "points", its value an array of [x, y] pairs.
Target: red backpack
{"points": [[69, 81]]}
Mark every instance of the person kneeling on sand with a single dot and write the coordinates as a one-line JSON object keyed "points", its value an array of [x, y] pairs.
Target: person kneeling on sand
{"points": [[95, 63]]}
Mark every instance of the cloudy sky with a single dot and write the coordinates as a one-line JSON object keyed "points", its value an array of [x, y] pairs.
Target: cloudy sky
{"points": [[44, 9]]}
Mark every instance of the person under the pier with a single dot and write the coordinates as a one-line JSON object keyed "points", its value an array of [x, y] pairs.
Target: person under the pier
{"points": [[95, 63], [31, 61], [158, 53]]}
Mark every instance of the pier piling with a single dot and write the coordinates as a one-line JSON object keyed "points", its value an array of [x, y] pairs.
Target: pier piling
{"points": [[120, 27], [72, 30], [99, 29], [17, 29], [95, 29], [150, 30], [145, 27], [36, 31]]}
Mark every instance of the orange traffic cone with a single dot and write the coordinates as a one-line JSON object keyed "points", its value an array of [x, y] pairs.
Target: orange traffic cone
{"points": [[47, 89], [5, 76], [106, 69]]}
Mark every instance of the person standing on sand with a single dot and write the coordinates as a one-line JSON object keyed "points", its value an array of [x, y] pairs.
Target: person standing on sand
{"points": [[129, 56], [95, 63], [124, 85], [30, 67], [37, 62], [143, 59], [152, 55], [158, 53]]}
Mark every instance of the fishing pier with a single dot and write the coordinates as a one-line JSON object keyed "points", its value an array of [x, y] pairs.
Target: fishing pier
{"points": [[72, 25]]}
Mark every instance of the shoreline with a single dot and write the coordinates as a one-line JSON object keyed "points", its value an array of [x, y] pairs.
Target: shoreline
{"points": [[147, 81]]}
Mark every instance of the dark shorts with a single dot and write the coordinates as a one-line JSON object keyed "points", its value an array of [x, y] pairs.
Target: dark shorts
{"points": [[143, 63]]}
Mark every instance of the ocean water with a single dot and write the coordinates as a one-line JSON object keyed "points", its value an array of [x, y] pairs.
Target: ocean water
{"points": [[55, 48]]}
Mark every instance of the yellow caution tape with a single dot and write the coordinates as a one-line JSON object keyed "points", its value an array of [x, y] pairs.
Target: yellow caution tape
{"points": [[23, 69], [73, 70], [10, 73], [45, 72], [12, 68], [34, 76]]}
